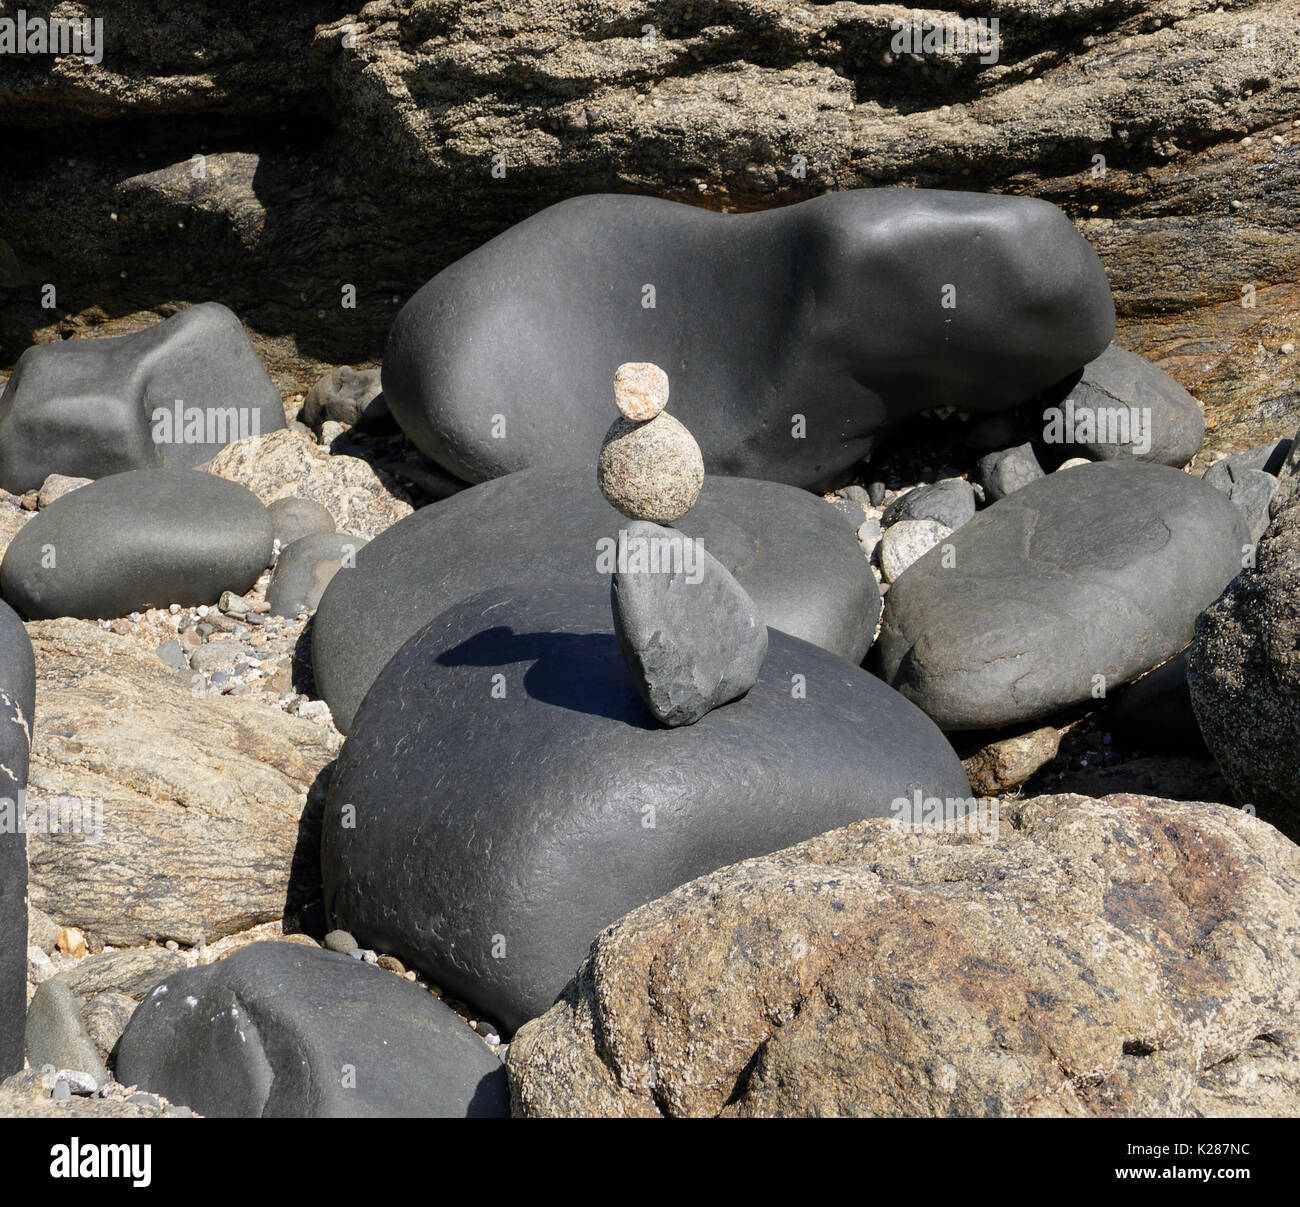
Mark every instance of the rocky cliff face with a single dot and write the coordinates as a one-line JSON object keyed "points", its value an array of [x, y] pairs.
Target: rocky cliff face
{"points": [[371, 148]]}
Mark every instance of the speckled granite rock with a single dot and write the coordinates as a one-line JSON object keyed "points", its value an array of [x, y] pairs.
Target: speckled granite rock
{"points": [[1122, 957]]}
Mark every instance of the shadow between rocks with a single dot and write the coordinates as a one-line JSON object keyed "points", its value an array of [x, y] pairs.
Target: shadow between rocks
{"points": [[304, 898]]}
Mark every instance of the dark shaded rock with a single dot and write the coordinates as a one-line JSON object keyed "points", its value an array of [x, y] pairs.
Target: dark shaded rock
{"points": [[55, 1036], [689, 634], [950, 502], [1156, 713], [786, 363], [285, 1030], [347, 395], [1007, 471], [1121, 958], [305, 568], [94, 407], [137, 540], [1074, 584], [504, 792], [1244, 676], [794, 556], [1121, 407], [292, 519], [17, 700]]}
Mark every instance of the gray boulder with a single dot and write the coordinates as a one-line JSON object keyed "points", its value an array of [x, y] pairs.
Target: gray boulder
{"points": [[949, 502], [294, 518], [1120, 407], [306, 567], [350, 396], [171, 396], [285, 1030], [55, 1036], [689, 634], [795, 557], [1070, 587], [137, 540], [504, 793], [1006, 471], [786, 363]]}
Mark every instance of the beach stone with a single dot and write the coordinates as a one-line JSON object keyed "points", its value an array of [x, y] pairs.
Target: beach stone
{"points": [[1074, 584], [105, 1017], [798, 561], [1169, 427], [786, 363], [1251, 492], [17, 701], [305, 568], [137, 540], [950, 502], [1270, 456], [340, 941], [1244, 676], [362, 499], [504, 789], [1007, 471], [1122, 958], [870, 535], [293, 519], [132, 971], [349, 396], [93, 407], [42, 930], [58, 485], [279, 1030], [691, 637], [650, 471], [905, 542], [640, 391], [55, 1036], [1006, 763]]}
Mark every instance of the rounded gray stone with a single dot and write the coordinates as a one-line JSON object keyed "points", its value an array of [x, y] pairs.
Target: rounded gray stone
{"points": [[294, 519], [1136, 411], [1009, 470], [305, 568], [797, 559], [1087, 577], [512, 794], [137, 540], [55, 1035], [949, 502], [94, 407], [285, 1030], [829, 309]]}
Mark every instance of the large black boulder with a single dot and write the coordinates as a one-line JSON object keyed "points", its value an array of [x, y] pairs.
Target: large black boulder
{"points": [[504, 792], [791, 551], [17, 700], [1062, 591], [282, 1029], [792, 337], [171, 396]]}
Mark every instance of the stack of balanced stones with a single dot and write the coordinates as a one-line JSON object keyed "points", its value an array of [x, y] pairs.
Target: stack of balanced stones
{"points": [[689, 632]]}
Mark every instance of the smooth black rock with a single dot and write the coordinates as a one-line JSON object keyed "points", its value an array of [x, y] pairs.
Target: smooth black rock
{"points": [[284, 1030], [306, 567], [1121, 407], [950, 502], [138, 540], [504, 793], [1078, 581], [795, 556], [1007, 471], [294, 519], [93, 407], [17, 701], [830, 310], [690, 636]]}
